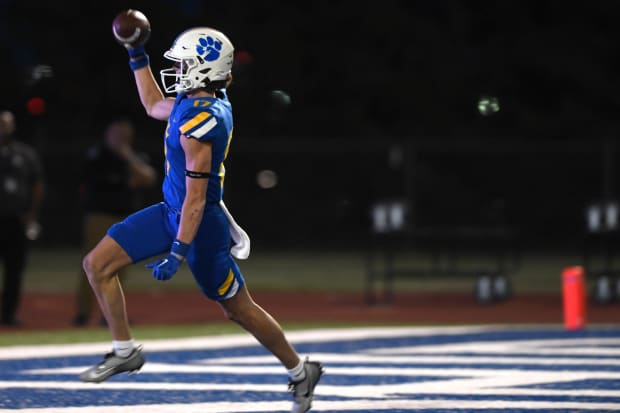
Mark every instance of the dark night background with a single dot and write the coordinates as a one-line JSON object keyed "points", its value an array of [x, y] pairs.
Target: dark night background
{"points": [[384, 105]]}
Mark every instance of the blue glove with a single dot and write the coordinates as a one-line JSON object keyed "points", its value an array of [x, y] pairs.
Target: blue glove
{"points": [[165, 268], [137, 58]]}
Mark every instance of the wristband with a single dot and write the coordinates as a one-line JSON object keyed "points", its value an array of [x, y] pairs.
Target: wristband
{"points": [[138, 58], [135, 52], [139, 63], [179, 248]]}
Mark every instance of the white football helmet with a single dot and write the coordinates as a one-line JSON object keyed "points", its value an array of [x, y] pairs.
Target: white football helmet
{"points": [[202, 56]]}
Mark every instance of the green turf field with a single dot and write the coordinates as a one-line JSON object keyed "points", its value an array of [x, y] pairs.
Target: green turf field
{"points": [[56, 270]]}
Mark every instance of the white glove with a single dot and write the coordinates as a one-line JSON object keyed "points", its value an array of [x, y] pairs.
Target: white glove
{"points": [[241, 249]]}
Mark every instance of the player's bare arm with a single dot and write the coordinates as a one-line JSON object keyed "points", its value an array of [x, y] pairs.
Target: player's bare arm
{"points": [[156, 105], [197, 160], [132, 29]]}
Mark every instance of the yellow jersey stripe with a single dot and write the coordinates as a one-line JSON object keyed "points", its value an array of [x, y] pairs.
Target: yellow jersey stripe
{"points": [[201, 117], [226, 284]]}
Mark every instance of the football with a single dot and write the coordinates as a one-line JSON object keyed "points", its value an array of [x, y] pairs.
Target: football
{"points": [[131, 28]]}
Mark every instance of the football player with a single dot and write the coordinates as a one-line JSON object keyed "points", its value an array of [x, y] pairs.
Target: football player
{"points": [[191, 224]]}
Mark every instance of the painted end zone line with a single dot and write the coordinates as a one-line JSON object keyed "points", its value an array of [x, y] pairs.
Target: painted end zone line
{"points": [[333, 406]]}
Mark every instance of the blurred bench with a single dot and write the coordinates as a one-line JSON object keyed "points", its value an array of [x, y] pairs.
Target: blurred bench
{"points": [[496, 249]]}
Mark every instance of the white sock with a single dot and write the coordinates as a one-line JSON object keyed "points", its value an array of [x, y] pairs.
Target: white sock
{"points": [[123, 348], [297, 373]]}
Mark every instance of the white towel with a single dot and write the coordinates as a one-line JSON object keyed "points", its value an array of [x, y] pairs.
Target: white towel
{"points": [[241, 249]]}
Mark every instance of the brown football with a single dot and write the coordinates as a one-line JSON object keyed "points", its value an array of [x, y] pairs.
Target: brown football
{"points": [[131, 28]]}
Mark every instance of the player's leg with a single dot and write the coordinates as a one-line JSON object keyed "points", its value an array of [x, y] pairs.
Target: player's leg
{"points": [[101, 266], [220, 279], [95, 226], [304, 375], [141, 235], [253, 318]]}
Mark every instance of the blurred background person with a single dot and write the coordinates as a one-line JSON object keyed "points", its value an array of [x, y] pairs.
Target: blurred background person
{"points": [[113, 177], [21, 193]]}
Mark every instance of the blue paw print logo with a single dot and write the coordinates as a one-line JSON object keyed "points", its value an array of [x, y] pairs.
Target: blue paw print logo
{"points": [[209, 48]]}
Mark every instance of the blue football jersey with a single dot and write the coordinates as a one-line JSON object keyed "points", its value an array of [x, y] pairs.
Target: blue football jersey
{"points": [[208, 120]]}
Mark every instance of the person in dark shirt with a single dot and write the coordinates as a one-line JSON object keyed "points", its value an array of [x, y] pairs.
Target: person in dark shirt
{"points": [[113, 175], [21, 193]]}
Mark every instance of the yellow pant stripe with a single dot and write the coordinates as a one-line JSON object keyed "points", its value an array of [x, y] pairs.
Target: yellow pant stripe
{"points": [[226, 284]]}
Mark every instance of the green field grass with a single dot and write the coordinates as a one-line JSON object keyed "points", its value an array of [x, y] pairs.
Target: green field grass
{"points": [[56, 270]]}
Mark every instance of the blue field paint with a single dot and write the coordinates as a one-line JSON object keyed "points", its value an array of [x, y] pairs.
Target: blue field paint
{"points": [[401, 370], [593, 384]]}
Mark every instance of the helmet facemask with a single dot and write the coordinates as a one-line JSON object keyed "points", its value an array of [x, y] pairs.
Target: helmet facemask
{"points": [[180, 78]]}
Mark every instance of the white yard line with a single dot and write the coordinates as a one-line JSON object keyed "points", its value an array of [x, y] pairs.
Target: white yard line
{"points": [[491, 386], [553, 347], [332, 406], [449, 371], [360, 358]]}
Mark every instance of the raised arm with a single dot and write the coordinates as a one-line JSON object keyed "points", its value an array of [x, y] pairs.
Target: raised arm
{"points": [[155, 103]]}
